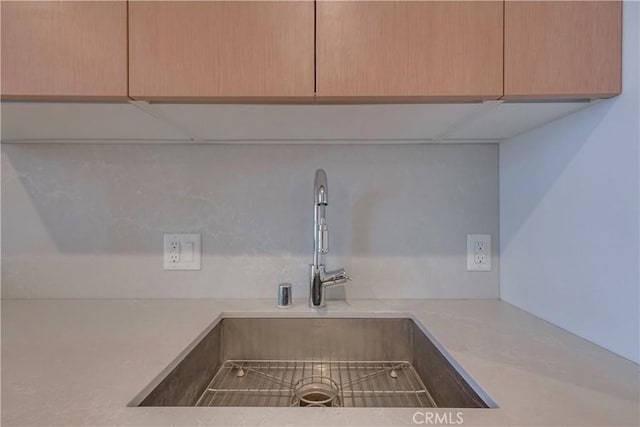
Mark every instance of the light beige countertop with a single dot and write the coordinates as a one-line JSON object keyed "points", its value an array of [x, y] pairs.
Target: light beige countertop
{"points": [[81, 362]]}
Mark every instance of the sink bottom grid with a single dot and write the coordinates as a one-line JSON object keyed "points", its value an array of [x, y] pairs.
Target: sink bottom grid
{"points": [[355, 384]]}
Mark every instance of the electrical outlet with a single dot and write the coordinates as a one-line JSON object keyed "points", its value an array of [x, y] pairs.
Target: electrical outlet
{"points": [[478, 252], [174, 252], [182, 251]]}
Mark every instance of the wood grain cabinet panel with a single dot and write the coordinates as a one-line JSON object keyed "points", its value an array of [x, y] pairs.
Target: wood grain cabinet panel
{"points": [[221, 49], [562, 49], [409, 49], [64, 49]]}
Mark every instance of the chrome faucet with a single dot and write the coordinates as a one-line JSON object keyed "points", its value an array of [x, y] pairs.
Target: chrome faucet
{"points": [[319, 278]]}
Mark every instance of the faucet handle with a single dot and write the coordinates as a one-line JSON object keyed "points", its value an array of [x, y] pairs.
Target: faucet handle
{"points": [[335, 277], [345, 276]]}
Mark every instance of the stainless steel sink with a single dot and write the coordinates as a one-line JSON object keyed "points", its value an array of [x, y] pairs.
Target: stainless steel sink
{"points": [[351, 362]]}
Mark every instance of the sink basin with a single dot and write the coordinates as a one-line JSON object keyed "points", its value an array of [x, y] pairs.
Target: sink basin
{"points": [[349, 362]]}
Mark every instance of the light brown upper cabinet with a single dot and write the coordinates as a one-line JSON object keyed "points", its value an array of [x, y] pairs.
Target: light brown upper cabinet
{"points": [[221, 49], [64, 49], [409, 49], [562, 49], [279, 50]]}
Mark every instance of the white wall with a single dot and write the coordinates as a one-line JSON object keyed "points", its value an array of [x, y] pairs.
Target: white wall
{"points": [[87, 220], [569, 215]]}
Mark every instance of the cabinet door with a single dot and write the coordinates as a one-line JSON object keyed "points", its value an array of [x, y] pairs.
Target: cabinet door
{"points": [[556, 49], [220, 49], [64, 49], [409, 49]]}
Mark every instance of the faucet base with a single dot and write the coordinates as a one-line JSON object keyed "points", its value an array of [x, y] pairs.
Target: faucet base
{"points": [[321, 279], [316, 293]]}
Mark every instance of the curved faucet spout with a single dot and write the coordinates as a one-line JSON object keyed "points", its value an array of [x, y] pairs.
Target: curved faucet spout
{"points": [[320, 189]]}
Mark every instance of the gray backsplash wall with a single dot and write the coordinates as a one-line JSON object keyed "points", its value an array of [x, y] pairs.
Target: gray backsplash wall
{"points": [[86, 221]]}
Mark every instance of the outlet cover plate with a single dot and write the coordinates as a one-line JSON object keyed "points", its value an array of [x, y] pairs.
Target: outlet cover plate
{"points": [[478, 252], [175, 257]]}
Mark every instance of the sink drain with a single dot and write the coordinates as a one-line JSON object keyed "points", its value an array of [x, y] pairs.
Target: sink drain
{"points": [[315, 391]]}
